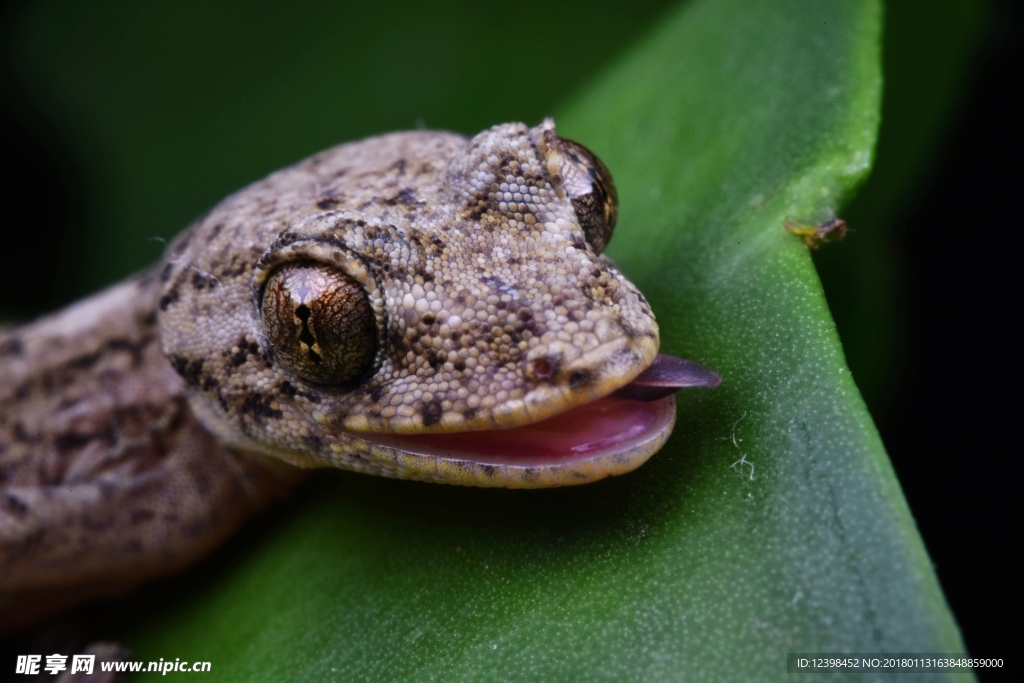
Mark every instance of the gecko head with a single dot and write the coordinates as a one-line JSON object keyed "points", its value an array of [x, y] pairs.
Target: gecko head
{"points": [[447, 316]]}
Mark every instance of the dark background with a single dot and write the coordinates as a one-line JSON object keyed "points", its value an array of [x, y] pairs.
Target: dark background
{"points": [[946, 411], [955, 401], [920, 289]]}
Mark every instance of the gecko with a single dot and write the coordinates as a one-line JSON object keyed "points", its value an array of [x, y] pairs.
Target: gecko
{"points": [[419, 305]]}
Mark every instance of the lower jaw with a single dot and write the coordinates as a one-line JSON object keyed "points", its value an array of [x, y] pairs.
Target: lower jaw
{"points": [[604, 437]]}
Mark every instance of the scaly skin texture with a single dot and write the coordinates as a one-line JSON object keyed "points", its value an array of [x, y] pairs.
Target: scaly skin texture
{"points": [[106, 476], [135, 425], [471, 285]]}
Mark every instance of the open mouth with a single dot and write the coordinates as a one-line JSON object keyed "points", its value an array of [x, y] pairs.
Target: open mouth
{"points": [[631, 423]]}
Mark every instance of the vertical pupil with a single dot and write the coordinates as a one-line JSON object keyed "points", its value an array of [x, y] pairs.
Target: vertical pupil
{"points": [[306, 337], [319, 323]]}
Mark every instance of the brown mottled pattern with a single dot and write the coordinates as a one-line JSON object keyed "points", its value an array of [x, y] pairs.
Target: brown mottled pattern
{"points": [[133, 424], [106, 477], [477, 271]]}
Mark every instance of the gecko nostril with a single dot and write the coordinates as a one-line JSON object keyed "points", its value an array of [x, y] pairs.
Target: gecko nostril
{"points": [[542, 368]]}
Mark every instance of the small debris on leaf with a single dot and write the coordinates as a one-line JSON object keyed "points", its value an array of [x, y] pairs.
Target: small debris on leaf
{"points": [[816, 236]]}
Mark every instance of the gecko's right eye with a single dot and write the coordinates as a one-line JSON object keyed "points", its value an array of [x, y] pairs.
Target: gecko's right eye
{"points": [[319, 323], [589, 185]]}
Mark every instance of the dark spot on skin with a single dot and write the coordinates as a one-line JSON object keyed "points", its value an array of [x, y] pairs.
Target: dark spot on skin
{"points": [[286, 238], [210, 383], [167, 299], [84, 362], [239, 265], [428, 319], [327, 203], [406, 197], [12, 347], [530, 474], [20, 434], [190, 370], [203, 280], [489, 470], [628, 328], [432, 359], [15, 506], [140, 516], [124, 344], [580, 378], [259, 407], [215, 230], [376, 392], [459, 365], [432, 413], [469, 414], [246, 348], [165, 274], [313, 443], [71, 441], [525, 314], [394, 337], [286, 388]]}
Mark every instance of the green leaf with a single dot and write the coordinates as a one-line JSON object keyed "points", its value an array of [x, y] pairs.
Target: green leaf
{"points": [[770, 523], [929, 48]]}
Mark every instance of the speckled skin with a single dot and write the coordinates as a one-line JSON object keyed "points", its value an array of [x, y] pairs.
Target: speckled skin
{"points": [[106, 476], [476, 268], [133, 425]]}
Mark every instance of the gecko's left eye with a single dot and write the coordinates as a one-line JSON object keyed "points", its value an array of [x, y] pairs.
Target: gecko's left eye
{"points": [[319, 323], [589, 185]]}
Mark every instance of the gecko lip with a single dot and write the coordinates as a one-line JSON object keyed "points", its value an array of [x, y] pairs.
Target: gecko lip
{"points": [[625, 427]]}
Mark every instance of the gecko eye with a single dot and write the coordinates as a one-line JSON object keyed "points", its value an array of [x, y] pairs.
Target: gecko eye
{"points": [[319, 323], [589, 185]]}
